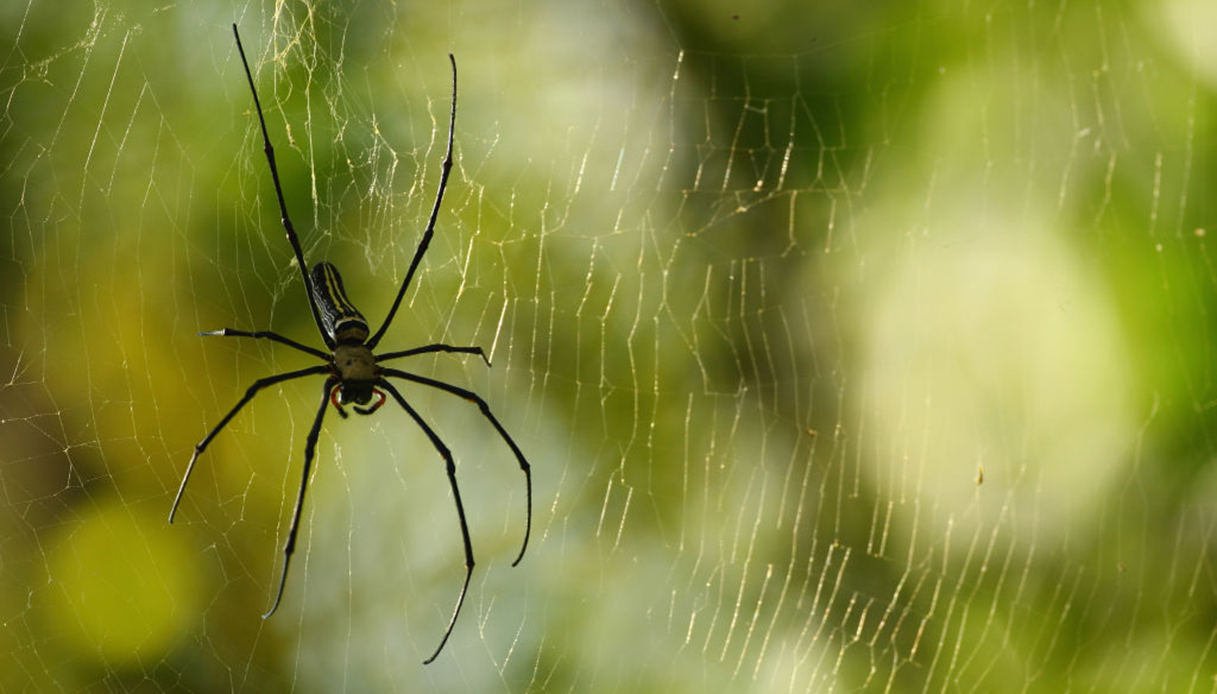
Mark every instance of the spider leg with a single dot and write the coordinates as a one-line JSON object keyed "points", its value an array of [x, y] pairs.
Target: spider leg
{"points": [[274, 174], [460, 508], [310, 446], [249, 395], [430, 230], [485, 408], [434, 348], [266, 334]]}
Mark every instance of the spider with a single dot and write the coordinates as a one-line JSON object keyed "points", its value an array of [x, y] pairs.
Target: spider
{"points": [[353, 374]]}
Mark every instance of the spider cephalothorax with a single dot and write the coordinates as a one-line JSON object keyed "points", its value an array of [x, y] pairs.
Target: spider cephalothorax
{"points": [[353, 374]]}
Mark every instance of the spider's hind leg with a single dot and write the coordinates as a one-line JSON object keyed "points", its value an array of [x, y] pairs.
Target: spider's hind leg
{"points": [[494, 421]]}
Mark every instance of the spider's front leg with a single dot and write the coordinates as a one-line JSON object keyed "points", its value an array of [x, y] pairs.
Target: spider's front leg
{"points": [[494, 421], [310, 447], [450, 465], [249, 395]]}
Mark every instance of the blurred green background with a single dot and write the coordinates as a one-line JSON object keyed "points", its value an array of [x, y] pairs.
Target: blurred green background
{"points": [[855, 346]]}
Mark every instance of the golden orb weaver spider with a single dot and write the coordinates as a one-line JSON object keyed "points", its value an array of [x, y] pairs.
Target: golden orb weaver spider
{"points": [[353, 372]]}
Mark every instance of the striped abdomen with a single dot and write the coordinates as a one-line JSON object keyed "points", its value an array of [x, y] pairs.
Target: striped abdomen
{"points": [[344, 322]]}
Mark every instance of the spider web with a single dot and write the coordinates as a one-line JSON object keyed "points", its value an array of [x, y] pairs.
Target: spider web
{"points": [[853, 348]]}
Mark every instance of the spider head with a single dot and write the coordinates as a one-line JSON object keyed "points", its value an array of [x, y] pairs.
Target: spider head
{"points": [[355, 392], [356, 370], [358, 393]]}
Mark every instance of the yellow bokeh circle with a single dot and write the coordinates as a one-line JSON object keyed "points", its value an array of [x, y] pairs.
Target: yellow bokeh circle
{"points": [[122, 589]]}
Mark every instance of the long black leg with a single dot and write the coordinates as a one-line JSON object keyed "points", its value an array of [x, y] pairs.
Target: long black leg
{"points": [[460, 508], [433, 348], [475, 398], [249, 395], [310, 446], [426, 240], [266, 334], [274, 174]]}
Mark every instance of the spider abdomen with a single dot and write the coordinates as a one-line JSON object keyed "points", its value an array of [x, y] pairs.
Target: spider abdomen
{"points": [[344, 323]]}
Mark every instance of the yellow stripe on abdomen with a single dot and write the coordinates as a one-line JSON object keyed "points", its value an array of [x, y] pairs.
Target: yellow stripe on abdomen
{"points": [[339, 316]]}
